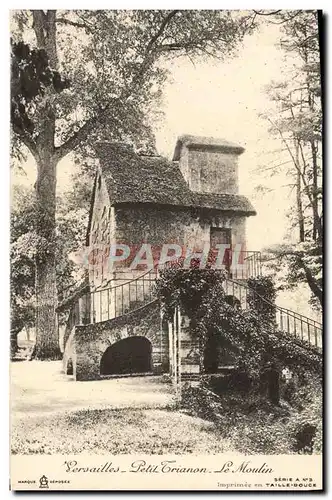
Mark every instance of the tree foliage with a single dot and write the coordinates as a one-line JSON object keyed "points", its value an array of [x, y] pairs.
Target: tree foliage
{"points": [[70, 229], [31, 75], [22, 274], [114, 63], [296, 120]]}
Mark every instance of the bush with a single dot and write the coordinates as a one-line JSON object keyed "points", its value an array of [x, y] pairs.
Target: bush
{"points": [[254, 425]]}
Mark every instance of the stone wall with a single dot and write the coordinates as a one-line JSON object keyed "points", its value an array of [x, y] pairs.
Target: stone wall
{"points": [[101, 232], [69, 355], [156, 226], [91, 341], [159, 225], [208, 170], [184, 349]]}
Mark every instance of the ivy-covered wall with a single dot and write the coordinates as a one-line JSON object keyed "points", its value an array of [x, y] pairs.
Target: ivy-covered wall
{"points": [[200, 296]]}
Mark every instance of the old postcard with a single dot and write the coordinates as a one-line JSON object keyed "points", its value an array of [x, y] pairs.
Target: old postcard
{"points": [[166, 250]]}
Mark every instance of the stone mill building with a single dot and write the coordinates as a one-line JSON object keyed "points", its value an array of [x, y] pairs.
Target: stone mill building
{"points": [[114, 323]]}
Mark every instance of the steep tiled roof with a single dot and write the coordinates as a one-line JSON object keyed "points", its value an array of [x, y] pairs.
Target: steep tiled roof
{"points": [[131, 178], [226, 202]]}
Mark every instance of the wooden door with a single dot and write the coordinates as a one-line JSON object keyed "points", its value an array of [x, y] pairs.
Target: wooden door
{"points": [[222, 236]]}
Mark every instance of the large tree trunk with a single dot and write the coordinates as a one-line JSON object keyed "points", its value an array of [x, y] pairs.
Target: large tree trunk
{"points": [[300, 216], [13, 342], [317, 229], [47, 338]]}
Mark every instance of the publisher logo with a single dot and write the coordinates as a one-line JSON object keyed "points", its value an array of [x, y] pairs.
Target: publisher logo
{"points": [[43, 482]]}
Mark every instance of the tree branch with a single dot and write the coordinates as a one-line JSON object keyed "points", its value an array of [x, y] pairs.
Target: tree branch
{"points": [[260, 13], [82, 134], [293, 159], [26, 139], [62, 20], [313, 285], [161, 30], [38, 24], [290, 17]]}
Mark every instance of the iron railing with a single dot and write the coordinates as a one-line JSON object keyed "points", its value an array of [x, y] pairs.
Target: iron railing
{"points": [[290, 322], [300, 326], [107, 303], [252, 265], [243, 264], [119, 299]]}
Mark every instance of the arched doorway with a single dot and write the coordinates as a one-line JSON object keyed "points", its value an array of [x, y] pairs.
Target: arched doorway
{"points": [[211, 354], [128, 356]]}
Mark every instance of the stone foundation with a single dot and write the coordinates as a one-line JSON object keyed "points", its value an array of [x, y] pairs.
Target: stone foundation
{"points": [[184, 351], [91, 341]]}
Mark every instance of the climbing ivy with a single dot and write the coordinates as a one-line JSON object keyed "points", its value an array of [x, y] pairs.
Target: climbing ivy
{"points": [[261, 296], [190, 289], [200, 295]]}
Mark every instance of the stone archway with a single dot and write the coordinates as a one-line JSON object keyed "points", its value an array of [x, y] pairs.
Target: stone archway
{"points": [[127, 356]]}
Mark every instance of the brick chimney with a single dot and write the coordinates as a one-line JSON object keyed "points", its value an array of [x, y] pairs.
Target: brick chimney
{"points": [[208, 165]]}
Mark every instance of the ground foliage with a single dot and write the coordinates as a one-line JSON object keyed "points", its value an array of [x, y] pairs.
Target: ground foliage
{"points": [[255, 426], [246, 417], [116, 431]]}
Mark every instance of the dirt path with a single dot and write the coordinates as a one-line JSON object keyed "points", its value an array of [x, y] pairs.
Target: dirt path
{"points": [[53, 414], [39, 387]]}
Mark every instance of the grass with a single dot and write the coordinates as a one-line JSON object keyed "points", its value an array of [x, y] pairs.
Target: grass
{"points": [[52, 414], [117, 431]]}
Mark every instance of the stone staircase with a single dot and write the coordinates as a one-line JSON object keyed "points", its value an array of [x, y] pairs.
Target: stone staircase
{"points": [[300, 327], [130, 295], [104, 307]]}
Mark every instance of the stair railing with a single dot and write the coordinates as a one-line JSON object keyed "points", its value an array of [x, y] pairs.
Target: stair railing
{"points": [[250, 265], [111, 302], [116, 300], [291, 322]]}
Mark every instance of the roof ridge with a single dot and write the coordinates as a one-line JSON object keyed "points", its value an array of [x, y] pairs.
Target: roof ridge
{"points": [[187, 140]]}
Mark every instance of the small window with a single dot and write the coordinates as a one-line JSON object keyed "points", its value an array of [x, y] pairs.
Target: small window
{"points": [[220, 236]]}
